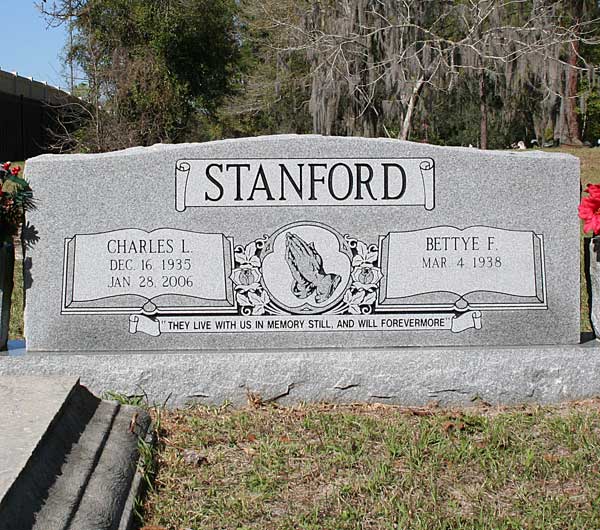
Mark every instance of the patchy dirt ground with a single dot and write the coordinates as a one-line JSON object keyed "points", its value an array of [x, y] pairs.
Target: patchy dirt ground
{"points": [[377, 467]]}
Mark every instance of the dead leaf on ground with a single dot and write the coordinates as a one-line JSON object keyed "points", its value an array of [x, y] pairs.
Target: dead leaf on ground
{"points": [[449, 426], [421, 412], [249, 451], [549, 457], [255, 400], [194, 458], [133, 422], [400, 464]]}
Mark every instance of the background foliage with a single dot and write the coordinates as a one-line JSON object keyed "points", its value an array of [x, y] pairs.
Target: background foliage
{"points": [[457, 72]]}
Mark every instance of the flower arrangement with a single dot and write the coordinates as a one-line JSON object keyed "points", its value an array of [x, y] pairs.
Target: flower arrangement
{"points": [[15, 199], [589, 209]]}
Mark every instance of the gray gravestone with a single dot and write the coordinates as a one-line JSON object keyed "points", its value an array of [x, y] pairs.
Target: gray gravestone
{"points": [[288, 242]]}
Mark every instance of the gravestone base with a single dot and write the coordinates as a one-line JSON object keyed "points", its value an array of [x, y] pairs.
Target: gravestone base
{"points": [[402, 376]]}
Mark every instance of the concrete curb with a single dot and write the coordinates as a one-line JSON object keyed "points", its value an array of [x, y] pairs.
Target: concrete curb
{"points": [[136, 490], [81, 473]]}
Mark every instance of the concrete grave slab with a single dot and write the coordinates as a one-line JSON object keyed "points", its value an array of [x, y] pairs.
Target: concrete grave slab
{"points": [[30, 405]]}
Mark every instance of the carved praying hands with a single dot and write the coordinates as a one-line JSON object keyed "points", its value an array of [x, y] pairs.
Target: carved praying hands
{"points": [[306, 266]]}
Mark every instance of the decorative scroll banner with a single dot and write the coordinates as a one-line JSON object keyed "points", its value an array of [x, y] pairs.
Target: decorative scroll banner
{"points": [[305, 182], [158, 325]]}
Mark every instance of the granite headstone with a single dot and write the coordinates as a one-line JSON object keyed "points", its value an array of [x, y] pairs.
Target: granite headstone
{"points": [[288, 242]]}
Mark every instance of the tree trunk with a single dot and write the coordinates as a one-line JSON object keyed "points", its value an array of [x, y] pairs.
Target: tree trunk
{"points": [[572, 134], [571, 95], [483, 140], [410, 109]]}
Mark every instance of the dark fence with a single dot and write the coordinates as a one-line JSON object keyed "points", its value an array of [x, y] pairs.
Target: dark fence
{"points": [[23, 124], [27, 116]]}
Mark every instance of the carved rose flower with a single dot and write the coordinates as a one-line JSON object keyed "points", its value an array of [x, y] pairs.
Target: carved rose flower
{"points": [[366, 277], [246, 278]]}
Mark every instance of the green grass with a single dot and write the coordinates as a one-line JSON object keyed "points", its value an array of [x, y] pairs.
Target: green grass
{"points": [[17, 301], [16, 311], [378, 467]]}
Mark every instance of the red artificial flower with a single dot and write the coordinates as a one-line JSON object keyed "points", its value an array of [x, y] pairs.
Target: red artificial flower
{"points": [[15, 170], [589, 211], [5, 166], [593, 190]]}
